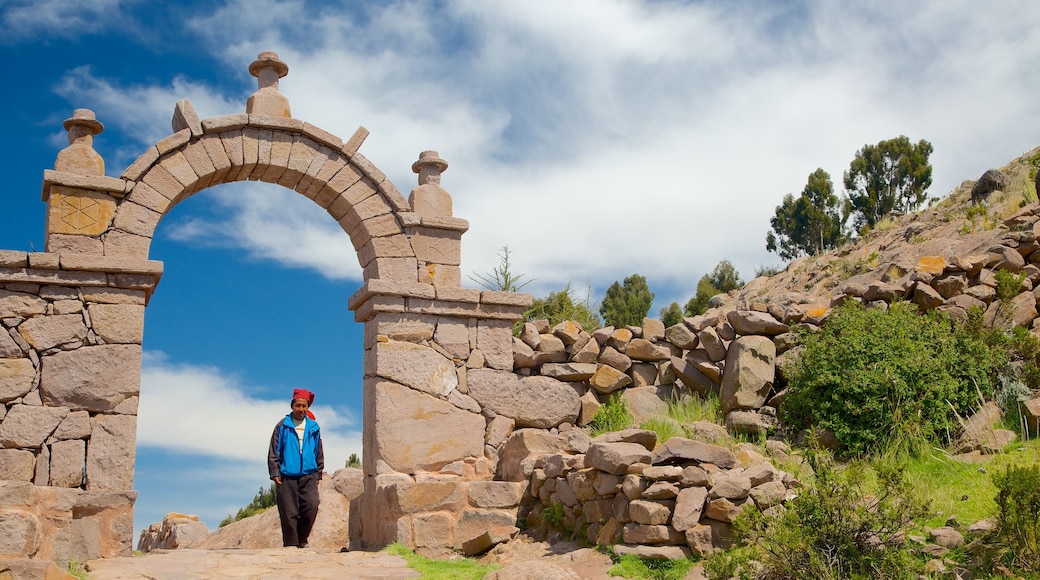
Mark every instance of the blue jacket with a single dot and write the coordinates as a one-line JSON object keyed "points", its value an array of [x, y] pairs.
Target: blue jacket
{"points": [[284, 458]]}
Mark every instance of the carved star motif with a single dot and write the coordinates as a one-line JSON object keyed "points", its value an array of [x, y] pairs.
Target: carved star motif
{"points": [[79, 213]]}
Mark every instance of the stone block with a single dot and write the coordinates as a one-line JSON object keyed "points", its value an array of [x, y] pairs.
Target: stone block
{"points": [[17, 464], [20, 304], [28, 426], [16, 375], [426, 496], [414, 431], [19, 534], [79, 211], [136, 219], [117, 323], [434, 530], [413, 365], [92, 378], [475, 522], [534, 401], [750, 371], [46, 332], [495, 494], [488, 540], [110, 453], [68, 462], [495, 342]]}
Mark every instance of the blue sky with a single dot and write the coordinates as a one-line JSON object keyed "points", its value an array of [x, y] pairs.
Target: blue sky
{"points": [[595, 138]]}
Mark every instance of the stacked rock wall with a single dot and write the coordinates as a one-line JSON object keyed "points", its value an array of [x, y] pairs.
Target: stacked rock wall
{"points": [[67, 433]]}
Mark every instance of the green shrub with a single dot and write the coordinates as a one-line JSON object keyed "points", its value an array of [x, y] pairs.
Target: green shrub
{"points": [[875, 377], [696, 408], [1018, 517], [261, 501], [838, 527], [612, 416]]}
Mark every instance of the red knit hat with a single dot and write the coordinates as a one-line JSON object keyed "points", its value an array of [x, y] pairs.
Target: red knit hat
{"points": [[303, 394], [306, 396]]}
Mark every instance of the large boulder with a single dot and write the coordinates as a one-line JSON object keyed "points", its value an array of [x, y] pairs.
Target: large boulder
{"points": [[534, 401], [990, 181], [751, 322], [750, 370]]}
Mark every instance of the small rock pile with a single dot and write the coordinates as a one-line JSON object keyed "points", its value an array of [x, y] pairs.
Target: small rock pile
{"points": [[658, 501], [174, 531]]}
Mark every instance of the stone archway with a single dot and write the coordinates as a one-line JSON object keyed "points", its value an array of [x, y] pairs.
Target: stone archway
{"points": [[73, 317]]}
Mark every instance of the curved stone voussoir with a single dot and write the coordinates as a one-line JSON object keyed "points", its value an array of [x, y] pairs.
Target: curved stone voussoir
{"points": [[535, 401]]}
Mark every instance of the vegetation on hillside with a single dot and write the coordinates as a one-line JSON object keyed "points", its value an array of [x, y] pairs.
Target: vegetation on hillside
{"points": [[627, 304], [722, 279], [893, 175], [811, 224], [263, 499]]}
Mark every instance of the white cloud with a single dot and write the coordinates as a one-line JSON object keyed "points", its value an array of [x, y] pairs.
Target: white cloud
{"points": [[601, 139], [68, 18], [199, 410]]}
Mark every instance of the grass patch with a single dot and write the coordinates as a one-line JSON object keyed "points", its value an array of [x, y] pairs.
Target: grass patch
{"points": [[696, 408], [611, 416], [460, 569], [963, 490], [77, 570], [665, 427], [631, 566]]}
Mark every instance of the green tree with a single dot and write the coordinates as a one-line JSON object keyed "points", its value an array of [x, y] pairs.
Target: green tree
{"points": [[672, 314], [628, 304], [721, 280], [562, 305], [810, 224], [892, 175], [501, 276], [353, 461]]}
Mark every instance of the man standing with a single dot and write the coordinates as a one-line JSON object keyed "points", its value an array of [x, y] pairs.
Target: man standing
{"points": [[296, 461]]}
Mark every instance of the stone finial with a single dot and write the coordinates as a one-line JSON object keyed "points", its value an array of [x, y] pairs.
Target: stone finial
{"points": [[79, 157], [430, 199], [429, 167], [267, 69]]}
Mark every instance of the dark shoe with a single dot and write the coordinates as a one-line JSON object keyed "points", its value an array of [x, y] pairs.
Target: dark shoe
{"points": [[303, 545]]}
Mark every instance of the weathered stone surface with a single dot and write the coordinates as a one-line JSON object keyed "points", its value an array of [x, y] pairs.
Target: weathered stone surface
{"points": [[608, 379], [699, 539], [689, 506], [947, 537], [644, 534], [926, 297], [768, 494], [21, 304], [45, 332], [414, 431], [517, 454], [749, 422], [569, 371], [951, 284], [17, 464], [660, 490], [750, 370], [709, 340], [724, 510], [111, 452], [75, 425], [681, 336], [117, 323], [680, 450], [1031, 411], [495, 494], [646, 402], [488, 540], [644, 437], [422, 496], [750, 322], [589, 407], [92, 378], [16, 377], [8, 347], [416, 366], [534, 401], [349, 482], [29, 426], [732, 487], [19, 533], [644, 350], [616, 457], [68, 460]]}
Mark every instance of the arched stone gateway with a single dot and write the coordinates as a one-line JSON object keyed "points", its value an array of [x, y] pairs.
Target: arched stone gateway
{"points": [[73, 315]]}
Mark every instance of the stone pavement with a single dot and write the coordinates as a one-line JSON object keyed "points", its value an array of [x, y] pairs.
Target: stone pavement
{"points": [[266, 564]]}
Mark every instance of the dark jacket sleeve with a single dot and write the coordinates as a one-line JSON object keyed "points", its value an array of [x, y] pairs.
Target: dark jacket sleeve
{"points": [[273, 458], [321, 457]]}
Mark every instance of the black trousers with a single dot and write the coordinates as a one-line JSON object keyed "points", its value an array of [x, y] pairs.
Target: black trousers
{"points": [[297, 499]]}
